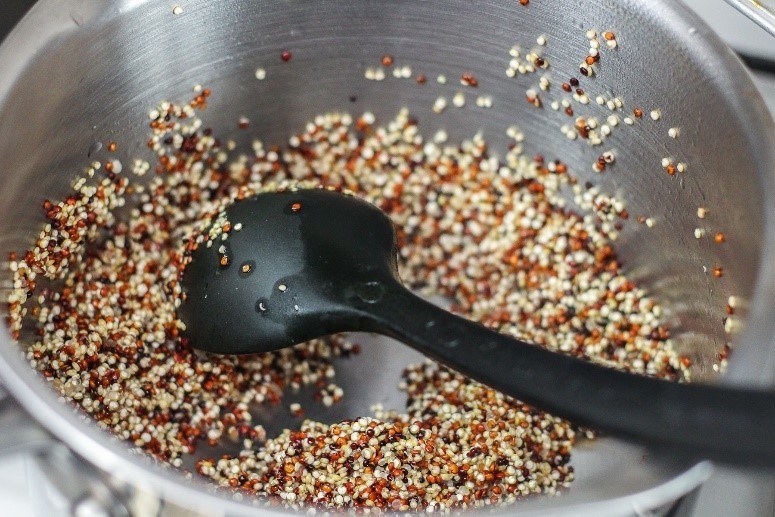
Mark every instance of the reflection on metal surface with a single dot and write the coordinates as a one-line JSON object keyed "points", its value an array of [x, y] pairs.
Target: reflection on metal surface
{"points": [[760, 11]]}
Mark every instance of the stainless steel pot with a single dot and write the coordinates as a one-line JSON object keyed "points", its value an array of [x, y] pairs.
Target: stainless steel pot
{"points": [[75, 72]]}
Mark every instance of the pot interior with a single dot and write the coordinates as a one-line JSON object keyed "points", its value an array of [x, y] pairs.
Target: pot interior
{"points": [[100, 69]]}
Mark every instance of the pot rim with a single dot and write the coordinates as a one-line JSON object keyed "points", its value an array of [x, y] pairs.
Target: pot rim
{"points": [[51, 19]]}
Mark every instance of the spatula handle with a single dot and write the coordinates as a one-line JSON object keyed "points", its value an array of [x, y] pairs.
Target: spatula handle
{"points": [[718, 423]]}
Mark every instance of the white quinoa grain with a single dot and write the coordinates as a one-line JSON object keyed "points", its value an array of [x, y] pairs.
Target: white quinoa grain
{"points": [[439, 104]]}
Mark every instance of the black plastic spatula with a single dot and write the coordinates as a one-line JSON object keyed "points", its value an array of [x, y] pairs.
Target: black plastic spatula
{"points": [[310, 263]]}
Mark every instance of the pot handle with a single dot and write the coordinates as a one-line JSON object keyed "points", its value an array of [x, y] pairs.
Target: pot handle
{"points": [[18, 431], [762, 12]]}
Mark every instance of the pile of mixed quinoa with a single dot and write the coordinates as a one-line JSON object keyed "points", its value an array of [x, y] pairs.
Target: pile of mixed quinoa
{"points": [[96, 298]]}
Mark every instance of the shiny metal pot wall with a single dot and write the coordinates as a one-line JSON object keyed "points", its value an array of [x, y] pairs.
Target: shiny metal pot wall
{"points": [[80, 71]]}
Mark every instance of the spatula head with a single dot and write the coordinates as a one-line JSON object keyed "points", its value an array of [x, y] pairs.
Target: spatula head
{"points": [[295, 265]]}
